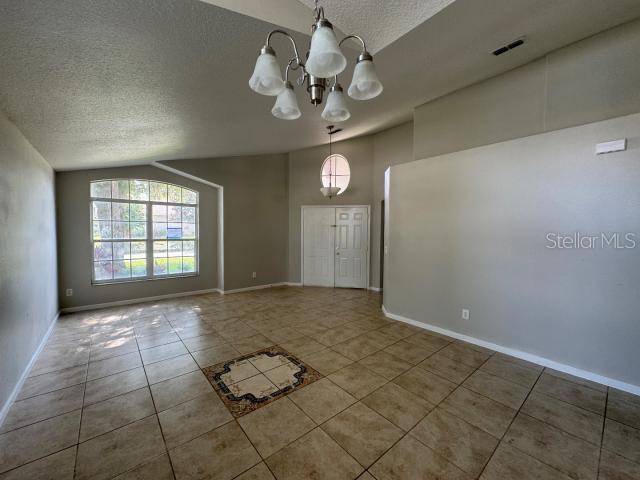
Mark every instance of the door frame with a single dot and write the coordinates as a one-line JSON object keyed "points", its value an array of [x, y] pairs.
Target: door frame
{"points": [[302, 210]]}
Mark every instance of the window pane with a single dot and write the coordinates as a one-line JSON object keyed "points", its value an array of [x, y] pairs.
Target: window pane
{"points": [[188, 264], [189, 214], [159, 249], [139, 189], [101, 230], [189, 248], [158, 191], [138, 212], [174, 214], [138, 230], [139, 268], [138, 249], [121, 269], [342, 182], [175, 249], [121, 250], [188, 230], [175, 265], [101, 189], [120, 189], [174, 230], [159, 266], [159, 230], [120, 230], [102, 270], [102, 251], [175, 194], [340, 166], [189, 196], [120, 211], [123, 221], [101, 210], [159, 213]]}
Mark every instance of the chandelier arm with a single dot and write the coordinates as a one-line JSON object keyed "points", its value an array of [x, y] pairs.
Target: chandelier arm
{"points": [[357, 37], [303, 72], [293, 43]]}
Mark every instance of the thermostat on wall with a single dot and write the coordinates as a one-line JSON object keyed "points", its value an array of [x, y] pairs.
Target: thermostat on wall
{"points": [[612, 146]]}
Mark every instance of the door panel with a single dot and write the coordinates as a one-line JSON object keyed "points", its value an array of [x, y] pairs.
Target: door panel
{"points": [[319, 247], [352, 244]]}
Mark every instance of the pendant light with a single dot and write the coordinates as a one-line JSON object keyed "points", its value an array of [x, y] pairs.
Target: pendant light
{"points": [[330, 191]]}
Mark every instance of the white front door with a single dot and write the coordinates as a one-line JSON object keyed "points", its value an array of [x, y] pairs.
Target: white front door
{"points": [[318, 247], [352, 244]]}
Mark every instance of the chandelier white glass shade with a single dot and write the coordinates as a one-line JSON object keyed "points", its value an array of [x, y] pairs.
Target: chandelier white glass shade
{"points": [[325, 58], [286, 107], [336, 108], [365, 83], [267, 78], [323, 61]]}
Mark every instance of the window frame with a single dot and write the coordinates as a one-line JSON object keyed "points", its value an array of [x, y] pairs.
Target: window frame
{"points": [[149, 227], [322, 176]]}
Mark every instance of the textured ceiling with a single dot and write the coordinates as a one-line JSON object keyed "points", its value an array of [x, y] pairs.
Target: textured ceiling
{"points": [[379, 22], [95, 83]]}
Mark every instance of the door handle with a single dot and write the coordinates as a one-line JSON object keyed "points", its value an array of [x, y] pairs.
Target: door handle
{"points": [[337, 253]]}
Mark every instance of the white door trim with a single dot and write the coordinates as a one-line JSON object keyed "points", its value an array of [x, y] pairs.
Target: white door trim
{"points": [[302, 209]]}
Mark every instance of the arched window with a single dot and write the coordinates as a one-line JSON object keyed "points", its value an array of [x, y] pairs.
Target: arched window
{"points": [[335, 172], [143, 229]]}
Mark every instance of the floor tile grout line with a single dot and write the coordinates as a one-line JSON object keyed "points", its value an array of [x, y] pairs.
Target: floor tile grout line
{"points": [[164, 441], [519, 412], [435, 406], [84, 393], [500, 440], [604, 425], [37, 459], [408, 432], [458, 385]]}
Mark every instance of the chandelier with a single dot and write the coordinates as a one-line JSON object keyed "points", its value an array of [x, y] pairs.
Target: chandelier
{"points": [[322, 64]]}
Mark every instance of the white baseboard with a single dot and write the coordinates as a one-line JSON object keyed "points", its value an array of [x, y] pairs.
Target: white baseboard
{"points": [[545, 362], [293, 284], [25, 374], [375, 289], [255, 287], [119, 303]]}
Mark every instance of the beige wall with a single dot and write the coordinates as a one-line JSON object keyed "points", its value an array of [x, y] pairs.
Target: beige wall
{"points": [[304, 186], [28, 278], [591, 80], [368, 157], [255, 215], [503, 164], [74, 245], [469, 230], [390, 147]]}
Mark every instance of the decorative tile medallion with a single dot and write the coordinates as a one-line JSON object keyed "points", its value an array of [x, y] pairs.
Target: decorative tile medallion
{"points": [[251, 381]]}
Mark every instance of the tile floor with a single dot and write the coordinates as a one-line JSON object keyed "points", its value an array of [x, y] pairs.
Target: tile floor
{"points": [[120, 393]]}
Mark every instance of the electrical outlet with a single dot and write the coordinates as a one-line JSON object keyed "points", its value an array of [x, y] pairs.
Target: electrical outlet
{"points": [[465, 314], [69, 292], [254, 275]]}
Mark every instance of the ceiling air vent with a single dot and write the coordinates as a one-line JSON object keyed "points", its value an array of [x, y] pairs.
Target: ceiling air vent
{"points": [[506, 48]]}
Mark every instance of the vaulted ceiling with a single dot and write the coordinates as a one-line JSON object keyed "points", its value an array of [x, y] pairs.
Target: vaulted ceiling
{"points": [[93, 83]]}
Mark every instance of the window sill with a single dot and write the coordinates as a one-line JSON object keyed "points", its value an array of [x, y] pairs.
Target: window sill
{"points": [[137, 280]]}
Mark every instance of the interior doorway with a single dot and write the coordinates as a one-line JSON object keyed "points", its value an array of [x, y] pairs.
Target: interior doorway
{"points": [[335, 246]]}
